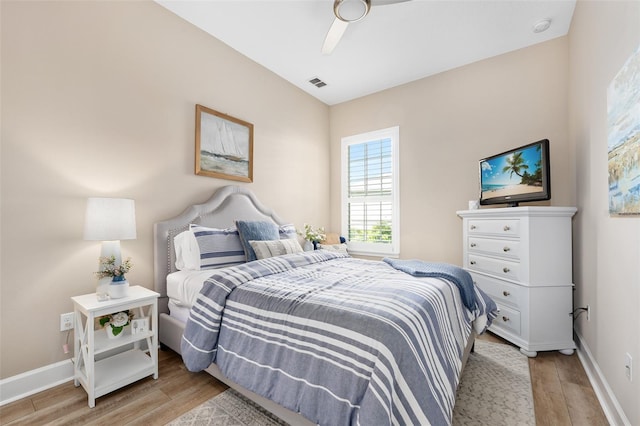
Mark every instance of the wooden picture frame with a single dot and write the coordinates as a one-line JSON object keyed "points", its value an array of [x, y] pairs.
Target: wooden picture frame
{"points": [[224, 146]]}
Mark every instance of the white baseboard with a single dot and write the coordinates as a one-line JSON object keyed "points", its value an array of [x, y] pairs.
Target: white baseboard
{"points": [[610, 405], [34, 381]]}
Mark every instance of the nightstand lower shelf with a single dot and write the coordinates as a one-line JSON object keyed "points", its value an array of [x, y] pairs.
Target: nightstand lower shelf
{"points": [[120, 370]]}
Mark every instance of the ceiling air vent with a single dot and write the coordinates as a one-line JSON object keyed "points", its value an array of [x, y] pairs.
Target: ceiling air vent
{"points": [[317, 82]]}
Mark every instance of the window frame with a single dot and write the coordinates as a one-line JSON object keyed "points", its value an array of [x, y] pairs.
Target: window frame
{"points": [[367, 248]]}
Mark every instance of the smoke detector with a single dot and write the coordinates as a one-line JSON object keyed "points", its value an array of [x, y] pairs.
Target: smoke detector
{"points": [[542, 25]]}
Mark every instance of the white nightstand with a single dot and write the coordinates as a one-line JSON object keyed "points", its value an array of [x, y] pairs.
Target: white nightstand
{"points": [[110, 372]]}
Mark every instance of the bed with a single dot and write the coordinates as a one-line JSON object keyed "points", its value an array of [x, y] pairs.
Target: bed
{"points": [[268, 328]]}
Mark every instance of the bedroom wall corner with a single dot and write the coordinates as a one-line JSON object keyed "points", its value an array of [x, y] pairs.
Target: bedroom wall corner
{"points": [[98, 99], [602, 37]]}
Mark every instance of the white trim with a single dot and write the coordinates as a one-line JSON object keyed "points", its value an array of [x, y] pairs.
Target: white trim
{"points": [[610, 405], [34, 381]]}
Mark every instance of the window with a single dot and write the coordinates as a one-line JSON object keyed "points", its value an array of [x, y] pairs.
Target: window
{"points": [[370, 196]]}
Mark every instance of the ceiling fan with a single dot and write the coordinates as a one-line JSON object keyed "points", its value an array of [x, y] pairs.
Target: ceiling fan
{"points": [[348, 11]]}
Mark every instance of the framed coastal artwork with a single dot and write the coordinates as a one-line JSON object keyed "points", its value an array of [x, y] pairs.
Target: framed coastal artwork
{"points": [[224, 146], [623, 138]]}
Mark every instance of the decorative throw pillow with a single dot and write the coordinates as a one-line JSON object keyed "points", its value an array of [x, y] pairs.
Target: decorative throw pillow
{"points": [[219, 248], [340, 248], [331, 238], [264, 249], [255, 231], [287, 231]]}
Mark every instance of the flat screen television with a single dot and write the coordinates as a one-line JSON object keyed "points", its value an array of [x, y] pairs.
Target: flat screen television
{"points": [[519, 175]]}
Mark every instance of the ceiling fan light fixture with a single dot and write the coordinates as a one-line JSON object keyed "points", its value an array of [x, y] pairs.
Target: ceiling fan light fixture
{"points": [[351, 10]]}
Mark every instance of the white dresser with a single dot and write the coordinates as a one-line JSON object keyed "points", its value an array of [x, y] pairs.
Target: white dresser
{"points": [[521, 257]]}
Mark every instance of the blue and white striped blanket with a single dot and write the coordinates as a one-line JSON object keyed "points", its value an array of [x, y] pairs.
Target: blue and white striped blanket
{"points": [[342, 341], [418, 268]]}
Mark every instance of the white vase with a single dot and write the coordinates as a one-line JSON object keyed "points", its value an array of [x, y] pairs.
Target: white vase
{"points": [[110, 334], [308, 245], [118, 289]]}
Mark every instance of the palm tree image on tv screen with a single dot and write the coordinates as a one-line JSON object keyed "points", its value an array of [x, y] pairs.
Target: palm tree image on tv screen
{"points": [[511, 174]]}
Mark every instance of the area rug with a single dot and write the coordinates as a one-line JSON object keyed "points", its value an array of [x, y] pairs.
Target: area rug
{"points": [[495, 389]]}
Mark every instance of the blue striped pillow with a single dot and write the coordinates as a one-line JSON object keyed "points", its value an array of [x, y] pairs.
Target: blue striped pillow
{"points": [[218, 247], [287, 232]]}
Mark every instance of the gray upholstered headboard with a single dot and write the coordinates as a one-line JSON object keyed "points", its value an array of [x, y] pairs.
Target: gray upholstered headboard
{"points": [[228, 204]]}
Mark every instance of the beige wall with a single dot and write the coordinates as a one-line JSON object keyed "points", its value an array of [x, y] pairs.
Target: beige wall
{"points": [[607, 249], [98, 100], [450, 121]]}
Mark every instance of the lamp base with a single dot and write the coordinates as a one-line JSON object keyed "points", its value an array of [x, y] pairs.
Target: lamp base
{"points": [[118, 289], [111, 248]]}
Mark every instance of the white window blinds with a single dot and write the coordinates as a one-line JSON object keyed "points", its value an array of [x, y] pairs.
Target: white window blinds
{"points": [[370, 195]]}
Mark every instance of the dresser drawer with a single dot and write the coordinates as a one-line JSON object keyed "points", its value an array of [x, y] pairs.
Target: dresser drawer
{"points": [[499, 267], [506, 227], [502, 292], [508, 319], [505, 248]]}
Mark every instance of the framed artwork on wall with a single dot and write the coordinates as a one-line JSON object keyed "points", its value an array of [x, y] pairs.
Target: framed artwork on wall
{"points": [[224, 146], [623, 138]]}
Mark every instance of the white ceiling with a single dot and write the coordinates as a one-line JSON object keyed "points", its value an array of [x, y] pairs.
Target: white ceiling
{"points": [[393, 45]]}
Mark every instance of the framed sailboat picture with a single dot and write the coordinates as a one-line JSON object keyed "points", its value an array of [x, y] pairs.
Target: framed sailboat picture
{"points": [[224, 146]]}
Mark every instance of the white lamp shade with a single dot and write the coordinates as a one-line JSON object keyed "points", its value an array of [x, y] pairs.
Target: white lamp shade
{"points": [[109, 219]]}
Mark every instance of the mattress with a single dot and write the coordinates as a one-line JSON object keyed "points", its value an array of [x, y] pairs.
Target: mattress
{"points": [[178, 312]]}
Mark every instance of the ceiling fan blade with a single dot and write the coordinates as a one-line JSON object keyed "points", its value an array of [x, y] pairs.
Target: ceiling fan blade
{"points": [[334, 35]]}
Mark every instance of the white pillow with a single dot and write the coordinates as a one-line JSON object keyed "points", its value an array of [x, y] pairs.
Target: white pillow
{"points": [[271, 248], [187, 251]]}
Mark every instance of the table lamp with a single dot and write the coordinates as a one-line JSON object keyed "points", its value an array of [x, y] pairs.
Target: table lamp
{"points": [[109, 220]]}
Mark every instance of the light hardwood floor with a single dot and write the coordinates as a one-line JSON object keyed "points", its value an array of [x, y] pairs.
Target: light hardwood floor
{"points": [[562, 396]]}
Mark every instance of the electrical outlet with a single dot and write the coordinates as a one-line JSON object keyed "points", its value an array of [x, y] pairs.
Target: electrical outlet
{"points": [[588, 312], [66, 321], [628, 365]]}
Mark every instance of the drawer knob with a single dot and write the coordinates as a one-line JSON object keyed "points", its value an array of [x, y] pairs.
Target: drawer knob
{"points": [[505, 293], [506, 249], [473, 244], [473, 227], [505, 318], [505, 270], [507, 228], [473, 262]]}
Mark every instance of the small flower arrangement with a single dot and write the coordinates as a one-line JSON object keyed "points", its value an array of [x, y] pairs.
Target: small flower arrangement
{"points": [[313, 235], [117, 321], [108, 268]]}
